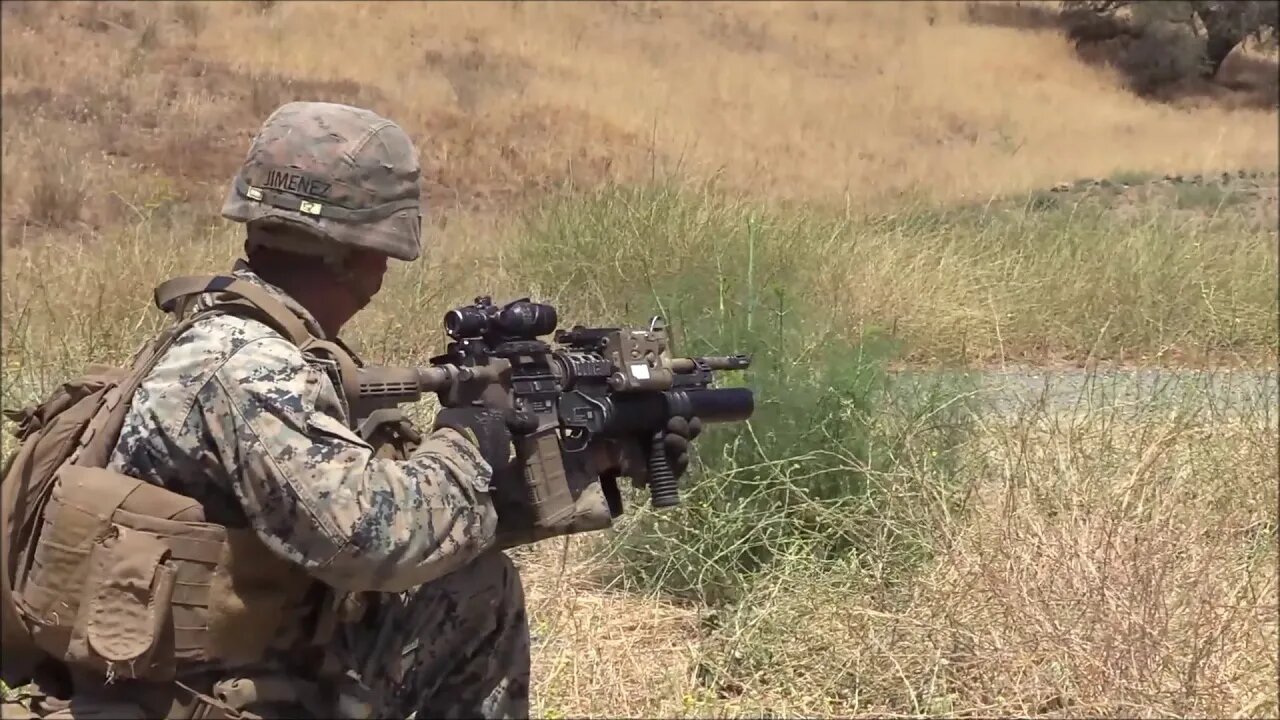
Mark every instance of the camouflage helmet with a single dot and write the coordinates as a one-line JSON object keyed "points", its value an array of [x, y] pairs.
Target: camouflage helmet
{"points": [[343, 174]]}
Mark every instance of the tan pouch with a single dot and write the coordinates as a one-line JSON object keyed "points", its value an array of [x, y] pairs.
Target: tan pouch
{"points": [[129, 581], [125, 608], [251, 595], [561, 494], [13, 710]]}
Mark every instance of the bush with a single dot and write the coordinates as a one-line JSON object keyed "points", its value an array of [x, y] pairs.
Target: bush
{"points": [[1165, 43], [1163, 55], [815, 471]]}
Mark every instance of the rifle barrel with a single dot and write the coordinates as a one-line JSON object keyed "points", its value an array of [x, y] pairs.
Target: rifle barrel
{"points": [[712, 362]]}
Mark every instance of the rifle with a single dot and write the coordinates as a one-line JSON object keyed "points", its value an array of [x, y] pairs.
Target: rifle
{"points": [[602, 397]]}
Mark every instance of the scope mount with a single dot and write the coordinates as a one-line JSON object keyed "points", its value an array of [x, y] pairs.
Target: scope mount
{"points": [[513, 348]]}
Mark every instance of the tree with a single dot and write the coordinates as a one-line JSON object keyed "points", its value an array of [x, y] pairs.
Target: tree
{"points": [[1216, 26], [1227, 24]]}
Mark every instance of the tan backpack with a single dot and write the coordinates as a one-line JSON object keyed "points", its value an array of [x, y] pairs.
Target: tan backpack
{"points": [[77, 425]]}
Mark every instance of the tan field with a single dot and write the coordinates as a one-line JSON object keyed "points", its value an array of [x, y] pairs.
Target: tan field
{"points": [[844, 102], [787, 99], [827, 160]]}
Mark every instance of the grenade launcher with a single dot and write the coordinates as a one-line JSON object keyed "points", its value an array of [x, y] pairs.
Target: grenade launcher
{"points": [[602, 397]]}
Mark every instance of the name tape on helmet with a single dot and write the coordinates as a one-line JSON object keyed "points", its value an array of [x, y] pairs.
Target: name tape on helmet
{"points": [[306, 206], [298, 183]]}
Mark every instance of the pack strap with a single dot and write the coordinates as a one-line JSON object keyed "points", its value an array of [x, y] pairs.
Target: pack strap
{"points": [[170, 293], [94, 446], [347, 369], [253, 301]]}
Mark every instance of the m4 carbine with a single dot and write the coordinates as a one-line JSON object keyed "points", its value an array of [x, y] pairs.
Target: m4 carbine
{"points": [[602, 397]]}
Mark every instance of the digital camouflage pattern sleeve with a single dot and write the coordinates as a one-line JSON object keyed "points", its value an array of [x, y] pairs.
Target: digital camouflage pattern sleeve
{"points": [[236, 411]]}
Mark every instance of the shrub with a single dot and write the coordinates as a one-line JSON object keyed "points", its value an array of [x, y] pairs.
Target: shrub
{"points": [[814, 472]]}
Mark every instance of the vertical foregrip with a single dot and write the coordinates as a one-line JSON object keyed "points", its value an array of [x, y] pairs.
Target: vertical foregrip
{"points": [[664, 491]]}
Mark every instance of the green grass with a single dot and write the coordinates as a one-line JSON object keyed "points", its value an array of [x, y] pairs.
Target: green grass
{"points": [[809, 473], [1063, 279], [1206, 198], [1107, 560], [850, 547], [1132, 177]]}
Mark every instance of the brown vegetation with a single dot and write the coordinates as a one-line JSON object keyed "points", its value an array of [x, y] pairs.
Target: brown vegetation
{"points": [[1086, 581], [844, 103], [1119, 561]]}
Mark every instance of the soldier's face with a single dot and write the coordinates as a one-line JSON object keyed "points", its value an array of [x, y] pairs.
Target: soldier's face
{"points": [[365, 271]]}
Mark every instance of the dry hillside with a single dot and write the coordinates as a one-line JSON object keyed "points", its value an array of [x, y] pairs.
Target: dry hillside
{"points": [[846, 102], [863, 547]]}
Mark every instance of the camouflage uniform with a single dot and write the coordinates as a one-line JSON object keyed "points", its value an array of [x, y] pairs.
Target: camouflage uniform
{"points": [[236, 417]]}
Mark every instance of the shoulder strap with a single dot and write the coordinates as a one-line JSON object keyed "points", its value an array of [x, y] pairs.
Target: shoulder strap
{"points": [[99, 437], [171, 293], [251, 300]]}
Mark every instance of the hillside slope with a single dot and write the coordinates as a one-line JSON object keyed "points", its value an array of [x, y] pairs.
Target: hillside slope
{"points": [[843, 102]]}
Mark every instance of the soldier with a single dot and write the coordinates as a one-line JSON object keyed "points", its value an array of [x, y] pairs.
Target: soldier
{"points": [[238, 418], [406, 605]]}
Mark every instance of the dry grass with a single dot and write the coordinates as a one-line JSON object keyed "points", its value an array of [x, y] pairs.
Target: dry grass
{"points": [[1102, 565], [792, 99], [1105, 568], [600, 653], [858, 101], [1105, 565], [1141, 584]]}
